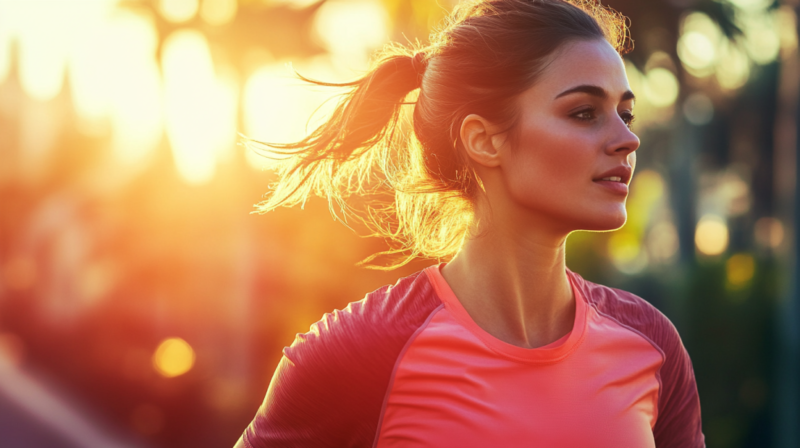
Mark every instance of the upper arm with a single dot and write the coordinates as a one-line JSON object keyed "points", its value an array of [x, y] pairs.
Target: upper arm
{"points": [[311, 401], [240, 443], [679, 420]]}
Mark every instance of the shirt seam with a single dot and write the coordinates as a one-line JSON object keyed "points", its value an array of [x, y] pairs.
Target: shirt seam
{"points": [[651, 342], [397, 362], [246, 441]]}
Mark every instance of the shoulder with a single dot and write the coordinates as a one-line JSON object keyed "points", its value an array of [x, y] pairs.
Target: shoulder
{"points": [[329, 387], [385, 317], [631, 311]]}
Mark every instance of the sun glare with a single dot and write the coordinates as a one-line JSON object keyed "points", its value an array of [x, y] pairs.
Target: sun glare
{"points": [[277, 105], [42, 59], [200, 109], [351, 30]]}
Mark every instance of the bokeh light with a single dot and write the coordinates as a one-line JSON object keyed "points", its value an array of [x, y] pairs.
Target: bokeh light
{"points": [[648, 186], [751, 5], [739, 270], [178, 10], [698, 43], [761, 35], [218, 12], [663, 242], [786, 20], [42, 60], [733, 69], [661, 87], [200, 127], [625, 252], [769, 232], [711, 235], [351, 30], [698, 109], [173, 357]]}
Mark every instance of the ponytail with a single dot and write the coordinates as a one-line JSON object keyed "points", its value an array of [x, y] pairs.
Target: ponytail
{"points": [[354, 152]]}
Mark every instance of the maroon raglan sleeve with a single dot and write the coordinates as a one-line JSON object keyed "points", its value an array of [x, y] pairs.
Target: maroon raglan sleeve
{"points": [[678, 422], [329, 387]]}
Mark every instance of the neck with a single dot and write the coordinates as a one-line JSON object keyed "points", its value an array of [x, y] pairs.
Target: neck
{"points": [[513, 283]]}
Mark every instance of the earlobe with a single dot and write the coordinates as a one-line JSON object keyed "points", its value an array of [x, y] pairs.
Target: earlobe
{"points": [[476, 136]]}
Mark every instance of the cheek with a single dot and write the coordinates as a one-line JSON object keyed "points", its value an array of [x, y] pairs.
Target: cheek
{"points": [[549, 167]]}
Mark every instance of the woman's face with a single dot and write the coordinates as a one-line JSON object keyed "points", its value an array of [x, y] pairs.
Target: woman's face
{"points": [[573, 128]]}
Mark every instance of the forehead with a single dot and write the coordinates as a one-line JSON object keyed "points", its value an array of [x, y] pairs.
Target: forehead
{"points": [[594, 63]]}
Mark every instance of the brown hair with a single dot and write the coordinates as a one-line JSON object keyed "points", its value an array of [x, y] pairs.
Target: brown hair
{"points": [[487, 53]]}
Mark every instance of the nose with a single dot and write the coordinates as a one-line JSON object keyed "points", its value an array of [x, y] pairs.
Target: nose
{"points": [[623, 140]]}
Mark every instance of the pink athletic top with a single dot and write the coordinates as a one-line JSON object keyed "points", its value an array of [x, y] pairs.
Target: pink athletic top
{"points": [[408, 367]]}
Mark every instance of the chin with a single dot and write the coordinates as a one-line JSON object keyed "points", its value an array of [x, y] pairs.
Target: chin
{"points": [[603, 222]]}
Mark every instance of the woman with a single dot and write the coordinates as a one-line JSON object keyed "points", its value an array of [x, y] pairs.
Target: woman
{"points": [[521, 135]]}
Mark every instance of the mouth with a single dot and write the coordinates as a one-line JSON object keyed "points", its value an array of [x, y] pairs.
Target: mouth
{"points": [[610, 179], [619, 174], [613, 184]]}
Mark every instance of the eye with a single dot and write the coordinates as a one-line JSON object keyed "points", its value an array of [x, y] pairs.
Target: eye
{"points": [[628, 118], [585, 114]]}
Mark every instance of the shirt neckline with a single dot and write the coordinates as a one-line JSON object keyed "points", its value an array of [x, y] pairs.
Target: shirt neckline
{"points": [[552, 352]]}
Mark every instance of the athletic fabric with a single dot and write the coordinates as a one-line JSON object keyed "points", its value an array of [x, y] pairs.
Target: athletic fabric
{"points": [[407, 366]]}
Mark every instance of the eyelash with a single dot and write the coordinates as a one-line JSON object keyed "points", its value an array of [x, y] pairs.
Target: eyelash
{"points": [[627, 117]]}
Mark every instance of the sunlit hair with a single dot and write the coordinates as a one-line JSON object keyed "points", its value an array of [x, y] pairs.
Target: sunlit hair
{"points": [[414, 185]]}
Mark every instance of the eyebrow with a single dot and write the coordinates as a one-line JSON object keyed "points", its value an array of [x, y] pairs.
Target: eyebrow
{"points": [[595, 91]]}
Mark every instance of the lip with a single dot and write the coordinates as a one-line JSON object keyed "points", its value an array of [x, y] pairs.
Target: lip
{"points": [[622, 171], [621, 187], [614, 187]]}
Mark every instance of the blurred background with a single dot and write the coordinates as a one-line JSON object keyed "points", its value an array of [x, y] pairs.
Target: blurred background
{"points": [[142, 304]]}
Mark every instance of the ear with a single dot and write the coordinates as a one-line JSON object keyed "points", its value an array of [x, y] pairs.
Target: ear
{"points": [[478, 140]]}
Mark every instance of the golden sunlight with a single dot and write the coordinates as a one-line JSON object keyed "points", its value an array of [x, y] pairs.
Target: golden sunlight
{"points": [[280, 108], [200, 109], [351, 30], [42, 59], [136, 93]]}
